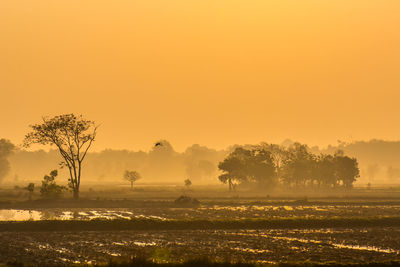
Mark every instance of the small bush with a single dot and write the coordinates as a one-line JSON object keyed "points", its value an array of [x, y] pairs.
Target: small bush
{"points": [[49, 187], [186, 201]]}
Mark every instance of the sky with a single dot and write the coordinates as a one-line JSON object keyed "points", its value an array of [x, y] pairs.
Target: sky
{"points": [[210, 72]]}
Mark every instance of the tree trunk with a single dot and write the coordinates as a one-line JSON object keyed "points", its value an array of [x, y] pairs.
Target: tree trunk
{"points": [[76, 193], [131, 185]]}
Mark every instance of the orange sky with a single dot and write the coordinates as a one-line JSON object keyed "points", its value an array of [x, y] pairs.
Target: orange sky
{"points": [[214, 72]]}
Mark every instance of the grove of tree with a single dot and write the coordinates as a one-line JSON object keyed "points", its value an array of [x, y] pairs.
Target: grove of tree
{"points": [[291, 167]]}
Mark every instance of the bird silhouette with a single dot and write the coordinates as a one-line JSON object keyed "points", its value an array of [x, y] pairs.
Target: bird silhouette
{"points": [[158, 144]]}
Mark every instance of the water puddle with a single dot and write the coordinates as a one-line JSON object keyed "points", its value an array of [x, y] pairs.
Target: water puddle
{"points": [[319, 242], [49, 214], [144, 244], [252, 250], [20, 215], [367, 248]]}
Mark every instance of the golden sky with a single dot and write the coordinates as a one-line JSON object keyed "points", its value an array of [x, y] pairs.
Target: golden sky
{"points": [[214, 72]]}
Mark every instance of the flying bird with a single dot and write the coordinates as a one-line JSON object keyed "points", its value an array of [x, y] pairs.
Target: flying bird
{"points": [[158, 144]]}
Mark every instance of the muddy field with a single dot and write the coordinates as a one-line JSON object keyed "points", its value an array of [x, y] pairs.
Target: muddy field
{"points": [[204, 212], [320, 245], [270, 244]]}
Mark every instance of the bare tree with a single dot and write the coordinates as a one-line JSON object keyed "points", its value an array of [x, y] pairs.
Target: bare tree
{"points": [[72, 135]]}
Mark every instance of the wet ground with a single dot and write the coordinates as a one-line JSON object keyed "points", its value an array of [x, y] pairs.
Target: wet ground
{"points": [[203, 212], [343, 245], [320, 245]]}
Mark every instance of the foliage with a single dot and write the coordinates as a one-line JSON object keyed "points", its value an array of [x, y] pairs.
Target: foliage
{"points": [[297, 166], [248, 165], [49, 187], [186, 201], [188, 183], [346, 169], [294, 167], [30, 188], [131, 176], [6, 147], [72, 135], [232, 171]]}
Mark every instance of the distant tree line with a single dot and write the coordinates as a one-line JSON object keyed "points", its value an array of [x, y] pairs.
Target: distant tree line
{"points": [[6, 148], [159, 164], [292, 167]]}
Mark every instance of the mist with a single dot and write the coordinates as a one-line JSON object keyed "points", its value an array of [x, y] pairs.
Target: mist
{"points": [[379, 163], [229, 133], [159, 165]]}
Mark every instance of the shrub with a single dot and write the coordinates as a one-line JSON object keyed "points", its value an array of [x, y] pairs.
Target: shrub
{"points": [[186, 201], [49, 187]]}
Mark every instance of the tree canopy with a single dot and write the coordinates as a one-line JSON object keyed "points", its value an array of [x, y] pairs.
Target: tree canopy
{"points": [[290, 167], [248, 165], [132, 176], [72, 135]]}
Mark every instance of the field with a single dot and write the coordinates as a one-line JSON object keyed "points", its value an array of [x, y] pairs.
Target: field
{"points": [[255, 230]]}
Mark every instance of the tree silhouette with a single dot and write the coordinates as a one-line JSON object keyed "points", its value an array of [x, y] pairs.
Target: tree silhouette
{"points": [[132, 176], [248, 165], [188, 183], [30, 188], [6, 148], [261, 168], [72, 135], [325, 171], [49, 188], [296, 167], [347, 170], [233, 170]]}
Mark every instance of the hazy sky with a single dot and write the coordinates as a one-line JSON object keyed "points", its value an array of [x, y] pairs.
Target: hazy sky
{"points": [[214, 72]]}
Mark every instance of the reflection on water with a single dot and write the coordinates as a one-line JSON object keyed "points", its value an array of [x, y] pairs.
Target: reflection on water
{"points": [[55, 214], [260, 246], [67, 215], [20, 215], [253, 250], [144, 244], [320, 242], [367, 248], [204, 212]]}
